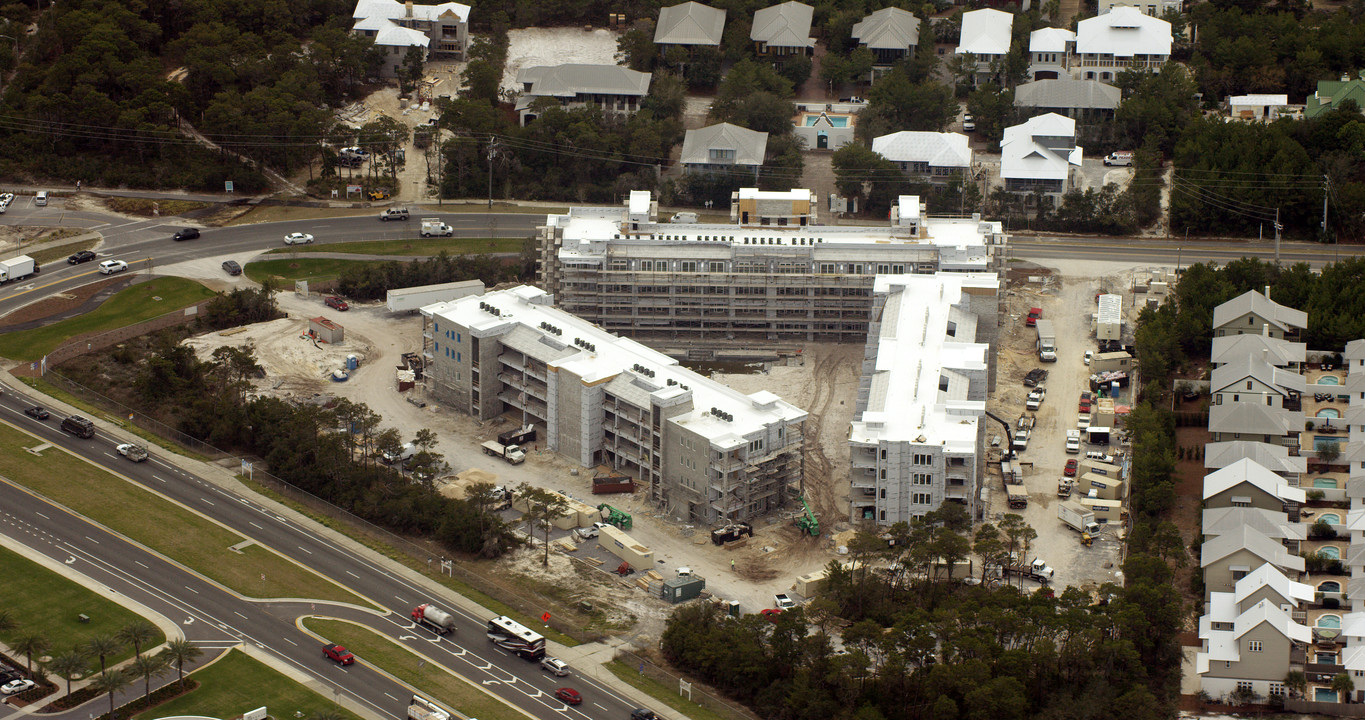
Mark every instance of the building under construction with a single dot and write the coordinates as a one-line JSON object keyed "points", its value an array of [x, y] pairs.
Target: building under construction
{"points": [[706, 452], [769, 278]]}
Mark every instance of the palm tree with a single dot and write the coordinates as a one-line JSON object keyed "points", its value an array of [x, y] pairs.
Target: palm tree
{"points": [[7, 621], [69, 665], [111, 682], [137, 633], [180, 652], [102, 646], [1297, 682], [325, 714], [31, 645], [1343, 685], [149, 666]]}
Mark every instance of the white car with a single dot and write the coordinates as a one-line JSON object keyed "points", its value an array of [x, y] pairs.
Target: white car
{"points": [[556, 666], [109, 267], [14, 687], [1083, 422], [298, 239], [1089, 355]]}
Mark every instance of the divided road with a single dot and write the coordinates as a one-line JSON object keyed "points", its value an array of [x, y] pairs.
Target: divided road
{"points": [[181, 595]]}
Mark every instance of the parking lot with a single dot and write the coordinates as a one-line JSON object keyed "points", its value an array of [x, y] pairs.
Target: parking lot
{"points": [[1069, 303]]}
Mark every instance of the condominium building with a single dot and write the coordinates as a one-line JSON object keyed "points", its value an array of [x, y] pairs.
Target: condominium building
{"points": [[917, 433], [707, 453], [771, 275]]}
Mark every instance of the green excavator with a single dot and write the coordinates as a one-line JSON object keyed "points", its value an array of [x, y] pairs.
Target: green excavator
{"points": [[806, 520]]}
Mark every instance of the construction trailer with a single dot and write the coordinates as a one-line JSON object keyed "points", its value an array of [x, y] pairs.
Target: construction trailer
{"points": [[410, 299], [1109, 319], [618, 543], [325, 330]]}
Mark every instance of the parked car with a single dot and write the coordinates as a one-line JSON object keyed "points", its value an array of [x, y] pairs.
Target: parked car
{"points": [[81, 257], [968, 123], [14, 687], [770, 613], [232, 268], [37, 413], [555, 666], [1089, 355], [109, 267], [1070, 469], [336, 303], [570, 696], [298, 239], [338, 653], [186, 234]]}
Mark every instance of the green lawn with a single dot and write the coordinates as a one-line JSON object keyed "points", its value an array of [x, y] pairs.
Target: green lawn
{"points": [[135, 304], [414, 246], [666, 694], [32, 592], [289, 270], [177, 533], [433, 682], [238, 683]]}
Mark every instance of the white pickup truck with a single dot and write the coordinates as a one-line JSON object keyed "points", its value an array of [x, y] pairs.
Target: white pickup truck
{"points": [[136, 453]]}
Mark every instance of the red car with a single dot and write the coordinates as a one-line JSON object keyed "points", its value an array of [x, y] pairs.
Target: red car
{"points": [[1084, 407], [1070, 470], [569, 696], [770, 613], [333, 301], [1033, 315], [338, 653]]}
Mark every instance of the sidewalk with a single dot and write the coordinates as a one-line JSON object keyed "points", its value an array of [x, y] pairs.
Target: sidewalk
{"points": [[593, 655]]}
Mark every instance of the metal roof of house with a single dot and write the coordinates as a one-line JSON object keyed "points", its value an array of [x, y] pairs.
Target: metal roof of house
{"points": [[937, 149], [1043, 148], [1278, 351], [1275, 458], [1050, 40], [572, 79], [985, 32], [1251, 301], [1270, 576], [888, 29], [690, 23], [1123, 32], [1067, 94], [749, 145], [383, 17], [1258, 368], [1249, 539], [1251, 419], [1251, 473], [1276, 525], [785, 25]]}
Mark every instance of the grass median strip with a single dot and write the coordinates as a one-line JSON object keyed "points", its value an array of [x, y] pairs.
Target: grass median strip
{"points": [[291, 269], [168, 528], [434, 682], [414, 246], [32, 593], [664, 694], [238, 683], [142, 301]]}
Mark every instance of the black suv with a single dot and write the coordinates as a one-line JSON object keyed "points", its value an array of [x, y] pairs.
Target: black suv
{"points": [[186, 234], [80, 257]]}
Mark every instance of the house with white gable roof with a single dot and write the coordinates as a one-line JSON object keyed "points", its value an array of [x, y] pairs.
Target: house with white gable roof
{"points": [[1121, 39], [783, 30], [986, 38], [932, 156], [689, 25], [1253, 313], [1249, 635], [439, 30], [1040, 155], [1232, 556], [1049, 51], [1246, 484], [892, 34]]}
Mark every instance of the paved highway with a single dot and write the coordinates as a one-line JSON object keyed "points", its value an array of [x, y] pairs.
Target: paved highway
{"points": [[180, 594], [148, 242]]}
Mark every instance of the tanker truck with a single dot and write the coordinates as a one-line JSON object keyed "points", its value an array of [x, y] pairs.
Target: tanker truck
{"points": [[438, 620]]}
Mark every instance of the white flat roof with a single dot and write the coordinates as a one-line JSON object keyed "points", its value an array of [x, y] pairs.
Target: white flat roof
{"points": [[916, 353], [612, 356]]}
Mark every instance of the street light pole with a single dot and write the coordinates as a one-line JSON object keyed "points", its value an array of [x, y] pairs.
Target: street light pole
{"points": [[492, 151]]}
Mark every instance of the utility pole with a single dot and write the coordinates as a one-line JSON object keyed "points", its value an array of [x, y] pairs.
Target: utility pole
{"points": [[492, 152], [1325, 186], [1278, 227]]}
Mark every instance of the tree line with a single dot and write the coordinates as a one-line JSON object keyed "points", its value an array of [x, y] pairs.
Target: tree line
{"points": [[919, 642]]}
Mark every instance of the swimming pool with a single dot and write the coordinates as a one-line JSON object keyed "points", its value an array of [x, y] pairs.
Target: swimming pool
{"points": [[838, 121], [1329, 380], [1329, 413], [1325, 482], [1330, 518]]}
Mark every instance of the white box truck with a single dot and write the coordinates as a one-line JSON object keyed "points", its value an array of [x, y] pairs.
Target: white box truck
{"points": [[17, 268], [434, 226], [1078, 517], [1047, 341]]}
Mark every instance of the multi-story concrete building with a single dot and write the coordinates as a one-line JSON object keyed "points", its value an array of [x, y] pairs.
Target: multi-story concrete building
{"points": [[916, 435], [772, 276], [706, 452]]}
